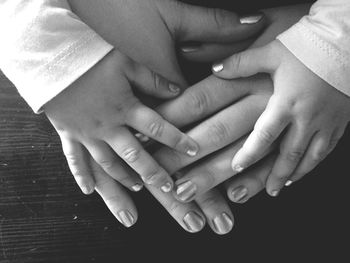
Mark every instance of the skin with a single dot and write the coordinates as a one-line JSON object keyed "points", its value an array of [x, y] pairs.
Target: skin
{"points": [[166, 21]]}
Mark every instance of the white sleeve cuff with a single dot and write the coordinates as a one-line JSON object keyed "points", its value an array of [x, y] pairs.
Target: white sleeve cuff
{"points": [[70, 65], [320, 56]]}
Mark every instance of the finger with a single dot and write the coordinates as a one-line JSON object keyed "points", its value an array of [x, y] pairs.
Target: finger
{"points": [[131, 151], [212, 25], [251, 182], [205, 98], [114, 166], [217, 132], [205, 175], [188, 216], [150, 82], [267, 129], [292, 149], [322, 145], [78, 164], [217, 211], [211, 52], [114, 196], [151, 124], [247, 63]]}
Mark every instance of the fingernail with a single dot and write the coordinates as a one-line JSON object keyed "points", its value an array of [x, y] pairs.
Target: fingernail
{"points": [[137, 187], [223, 223], [167, 187], [238, 168], [86, 189], [239, 194], [189, 49], [141, 137], [275, 193], [288, 183], [250, 19], [186, 191], [173, 88], [218, 67], [193, 222], [192, 151], [126, 218]]}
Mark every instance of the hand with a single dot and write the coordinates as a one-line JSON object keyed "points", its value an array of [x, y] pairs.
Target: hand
{"points": [[308, 114], [216, 169], [94, 113], [186, 23]]}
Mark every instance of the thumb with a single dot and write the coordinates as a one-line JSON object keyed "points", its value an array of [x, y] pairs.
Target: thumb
{"points": [[149, 82], [245, 64], [194, 23]]}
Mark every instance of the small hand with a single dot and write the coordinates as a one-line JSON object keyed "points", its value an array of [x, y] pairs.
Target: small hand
{"points": [[94, 113], [308, 114]]}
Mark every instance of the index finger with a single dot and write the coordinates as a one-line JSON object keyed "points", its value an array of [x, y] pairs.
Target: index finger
{"points": [[267, 129]]}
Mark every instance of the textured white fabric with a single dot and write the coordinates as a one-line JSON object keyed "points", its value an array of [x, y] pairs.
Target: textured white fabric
{"points": [[321, 41], [45, 47]]}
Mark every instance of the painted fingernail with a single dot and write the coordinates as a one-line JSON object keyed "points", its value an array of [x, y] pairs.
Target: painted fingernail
{"points": [[141, 137], [223, 224], [275, 193], [186, 191], [218, 67], [193, 222], [192, 150], [167, 187], [250, 19], [137, 187], [288, 183], [239, 194], [189, 49], [238, 168], [126, 218], [173, 88]]}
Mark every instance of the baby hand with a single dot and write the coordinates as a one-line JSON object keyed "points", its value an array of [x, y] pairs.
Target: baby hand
{"points": [[94, 113], [308, 114]]}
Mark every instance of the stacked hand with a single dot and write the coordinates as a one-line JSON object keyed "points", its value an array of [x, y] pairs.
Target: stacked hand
{"points": [[220, 33]]}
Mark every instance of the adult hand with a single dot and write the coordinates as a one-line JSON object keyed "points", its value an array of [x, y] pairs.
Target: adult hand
{"points": [[165, 21], [216, 169]]}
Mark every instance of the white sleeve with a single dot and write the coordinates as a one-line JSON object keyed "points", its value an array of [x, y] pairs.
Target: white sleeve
{"points": [[45, 47], [321, 41]]}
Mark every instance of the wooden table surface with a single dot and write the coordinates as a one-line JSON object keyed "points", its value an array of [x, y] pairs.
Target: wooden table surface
{"points": [[45, 218]]}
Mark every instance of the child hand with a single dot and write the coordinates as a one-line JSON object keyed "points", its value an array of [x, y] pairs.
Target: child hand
{"points": [[307, 113], [93, 115]]}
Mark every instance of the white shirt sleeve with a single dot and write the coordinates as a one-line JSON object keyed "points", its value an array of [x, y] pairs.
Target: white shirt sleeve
{"points": [[321, 41], [45, 47]]}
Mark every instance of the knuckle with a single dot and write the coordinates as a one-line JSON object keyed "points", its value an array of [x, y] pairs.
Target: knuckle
{"points": [[156, 81], [130, 154], [209, 201], [73, 160], [219, 17], [199, 103], [265, 136], [218, 134], [152, 177], [236, 62], [174, 207], [106, 164], [156, 128], [293, 155]]}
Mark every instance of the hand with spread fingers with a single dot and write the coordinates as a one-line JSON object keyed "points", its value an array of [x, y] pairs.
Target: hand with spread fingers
{"points": [[306, 113], [94, 114], [169, 23]]}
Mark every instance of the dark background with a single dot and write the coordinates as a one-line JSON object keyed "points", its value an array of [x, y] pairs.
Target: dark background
{"points": [[45, 218]]}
